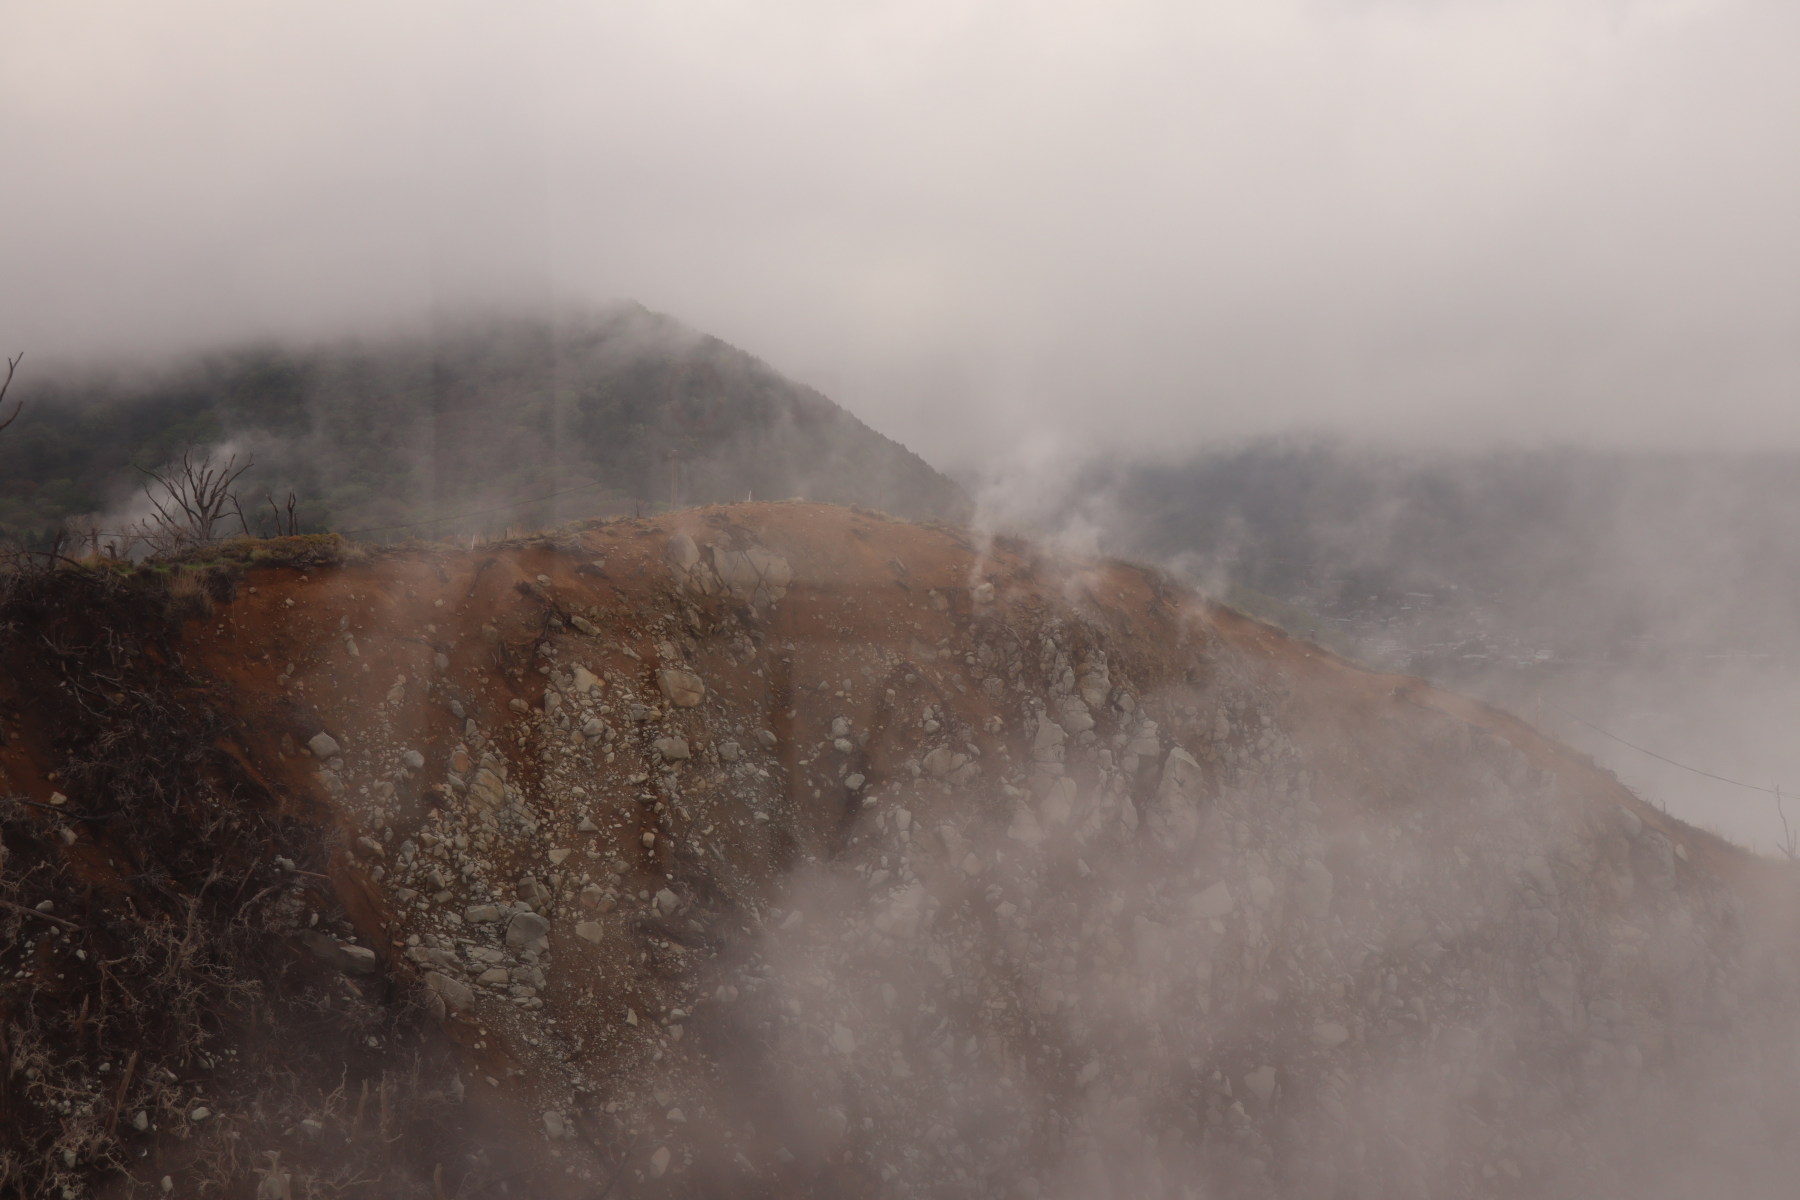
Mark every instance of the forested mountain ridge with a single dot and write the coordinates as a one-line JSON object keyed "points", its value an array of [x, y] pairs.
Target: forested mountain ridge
{"points": [[447, 433]]}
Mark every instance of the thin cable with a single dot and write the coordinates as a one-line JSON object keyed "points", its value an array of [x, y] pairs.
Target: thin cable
{"points": [[1664, 758]]}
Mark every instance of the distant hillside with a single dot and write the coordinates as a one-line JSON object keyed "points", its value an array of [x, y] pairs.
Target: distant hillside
{"points": [[1641, 606], [1575, 552], [440, 435]]}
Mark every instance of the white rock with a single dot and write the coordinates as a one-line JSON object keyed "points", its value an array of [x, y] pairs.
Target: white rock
{"points": [[1329, 1035], [323, 745], [1058, 802], [1214, 902], [1025, 828], [683, 553]]}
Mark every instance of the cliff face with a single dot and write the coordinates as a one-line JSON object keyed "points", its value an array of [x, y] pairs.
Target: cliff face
{"points": [[788, 850]]}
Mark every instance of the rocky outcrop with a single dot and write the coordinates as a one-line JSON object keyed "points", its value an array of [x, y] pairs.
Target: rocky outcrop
{"points": [[887, 868]]}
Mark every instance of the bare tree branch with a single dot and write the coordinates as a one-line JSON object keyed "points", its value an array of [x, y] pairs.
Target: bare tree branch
{"points": [[192, 499], [287, 524], [12, 364]]}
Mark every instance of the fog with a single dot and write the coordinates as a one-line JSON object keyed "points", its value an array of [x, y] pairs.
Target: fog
{"points": [[1013, 236], [1135, 898], [1138, 224]]}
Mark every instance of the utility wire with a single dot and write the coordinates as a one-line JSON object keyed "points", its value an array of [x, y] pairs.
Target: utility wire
{"points": [[1664, 758]]}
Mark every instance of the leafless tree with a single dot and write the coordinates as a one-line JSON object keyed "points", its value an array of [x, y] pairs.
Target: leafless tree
{"points": [[287, 522], [1790, 839], [12, 364], [192, 500]]}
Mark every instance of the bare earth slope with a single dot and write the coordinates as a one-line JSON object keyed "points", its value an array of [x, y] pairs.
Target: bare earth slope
{"points": [[776, 850]]}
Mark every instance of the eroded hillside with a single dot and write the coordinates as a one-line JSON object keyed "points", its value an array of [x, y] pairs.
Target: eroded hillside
{"points": [[791, 850]]}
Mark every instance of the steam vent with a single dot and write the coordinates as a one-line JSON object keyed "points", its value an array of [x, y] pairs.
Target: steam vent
{"points": [[783, 850]]}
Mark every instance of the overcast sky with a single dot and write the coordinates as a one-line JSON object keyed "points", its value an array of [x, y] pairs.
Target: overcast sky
{"points": [[1081, 224]]}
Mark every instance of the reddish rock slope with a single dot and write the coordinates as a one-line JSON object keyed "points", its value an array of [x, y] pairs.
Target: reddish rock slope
{"points": [[791, 850]]}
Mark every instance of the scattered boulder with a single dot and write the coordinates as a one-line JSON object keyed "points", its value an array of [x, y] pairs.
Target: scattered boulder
{"points": [[455, 993], [1328, 1035], [754, 574], [527, 929], [682, 552], [487, 789], [1215, 902], [343, 956], [683, 689]]}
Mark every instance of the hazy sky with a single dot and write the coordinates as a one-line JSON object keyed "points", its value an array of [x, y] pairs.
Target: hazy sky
{"points": [[1121, 222]]}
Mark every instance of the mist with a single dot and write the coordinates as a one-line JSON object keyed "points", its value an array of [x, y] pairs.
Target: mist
{"points": [[1137, 226], [894, 845]]}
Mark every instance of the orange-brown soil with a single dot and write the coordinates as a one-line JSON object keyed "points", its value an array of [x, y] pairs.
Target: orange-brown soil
{"points": [[604, 823]]}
